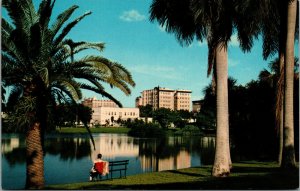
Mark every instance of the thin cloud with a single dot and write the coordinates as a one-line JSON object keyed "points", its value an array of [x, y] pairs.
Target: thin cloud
{"points": [[158, 71], [232, 63], [132, 16]]}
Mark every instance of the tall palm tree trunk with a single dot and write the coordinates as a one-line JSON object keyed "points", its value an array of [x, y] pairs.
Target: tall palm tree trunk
{"points": [[34, 156], [222, 161], [288, 155], [279, 105]]}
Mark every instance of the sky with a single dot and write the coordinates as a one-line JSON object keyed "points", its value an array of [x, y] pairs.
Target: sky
{"points": [[153, 56]]}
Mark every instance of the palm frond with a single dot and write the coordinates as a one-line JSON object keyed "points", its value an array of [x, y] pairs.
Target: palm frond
{"points": [[44, 74], [6, 27], [20, 39], [58, 95], [264, 75], [117, 81], [177, 18], [69, 87], [95, 83], [124, 74], [76, 47], [9, 47], [44, 12], [102, 65], [101, 92], [62, 18], [111, 72], [14, 96], [79, 46], [247, 20], [7, 61], [17, 14], [68, 28], [30, 14], [211, 60]]}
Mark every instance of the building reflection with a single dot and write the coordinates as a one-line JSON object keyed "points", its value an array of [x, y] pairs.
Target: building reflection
{"points": [[153, 163], [113, 146], [8, 145]]}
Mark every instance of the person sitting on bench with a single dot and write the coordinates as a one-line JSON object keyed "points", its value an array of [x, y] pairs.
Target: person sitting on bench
{"points": [[100, 167]]}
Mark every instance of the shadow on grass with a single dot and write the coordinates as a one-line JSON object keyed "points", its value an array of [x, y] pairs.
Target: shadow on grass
{"points": [[242, 177], [230, 183], [264, 182], [239, 169], [187, 173]]}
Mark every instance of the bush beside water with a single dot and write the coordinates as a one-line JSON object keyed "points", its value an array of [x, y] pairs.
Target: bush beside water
{"points": [[189, 130], [139, 128]]}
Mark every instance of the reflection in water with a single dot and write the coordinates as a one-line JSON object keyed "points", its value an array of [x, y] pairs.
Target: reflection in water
{"points": [[13, 148], [207, 153], [114, 145], [69, 158], [164, 154], [9, 145], [68, 148]]}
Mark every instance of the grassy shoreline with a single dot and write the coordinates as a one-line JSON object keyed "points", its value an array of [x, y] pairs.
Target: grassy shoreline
{"points": [[245, 175], [82, 130], [117, 130]]}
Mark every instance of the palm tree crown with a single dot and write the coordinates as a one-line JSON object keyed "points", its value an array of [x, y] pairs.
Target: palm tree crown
{"points": [[29, 44]]}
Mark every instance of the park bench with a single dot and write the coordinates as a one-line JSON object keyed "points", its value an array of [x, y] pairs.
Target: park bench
{"points": [[114, 166], [117, 166]]}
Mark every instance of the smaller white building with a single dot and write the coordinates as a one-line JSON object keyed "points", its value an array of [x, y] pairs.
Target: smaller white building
{"points": [[110, 115]]}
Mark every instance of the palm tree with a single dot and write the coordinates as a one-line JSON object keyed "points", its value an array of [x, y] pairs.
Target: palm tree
{"points": [[213, 20], [275, 38], [273, 34], [38, 63], [288, 155]]}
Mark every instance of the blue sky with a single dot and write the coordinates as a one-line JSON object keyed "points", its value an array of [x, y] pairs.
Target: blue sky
{"points": [[153, 56]]}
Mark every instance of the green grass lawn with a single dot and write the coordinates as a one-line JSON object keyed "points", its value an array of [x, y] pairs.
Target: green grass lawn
{"points": [[248, 175], [82, 130]]}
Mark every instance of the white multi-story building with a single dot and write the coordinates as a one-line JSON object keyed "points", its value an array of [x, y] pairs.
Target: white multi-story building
{"points": [[109, 115], [106, 112]]}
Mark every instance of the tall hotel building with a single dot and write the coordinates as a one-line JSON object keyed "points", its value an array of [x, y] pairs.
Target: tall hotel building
{"points": [[164, 97]]}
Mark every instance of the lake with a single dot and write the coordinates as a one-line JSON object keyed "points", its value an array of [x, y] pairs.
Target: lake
{"points": [[68, 158]]}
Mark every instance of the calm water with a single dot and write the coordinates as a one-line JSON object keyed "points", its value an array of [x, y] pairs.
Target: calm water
{"points": [[69, 158]]}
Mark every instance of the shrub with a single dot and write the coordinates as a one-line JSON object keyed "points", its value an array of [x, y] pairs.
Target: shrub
{"points": [[139, 128], [189, 130]]}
